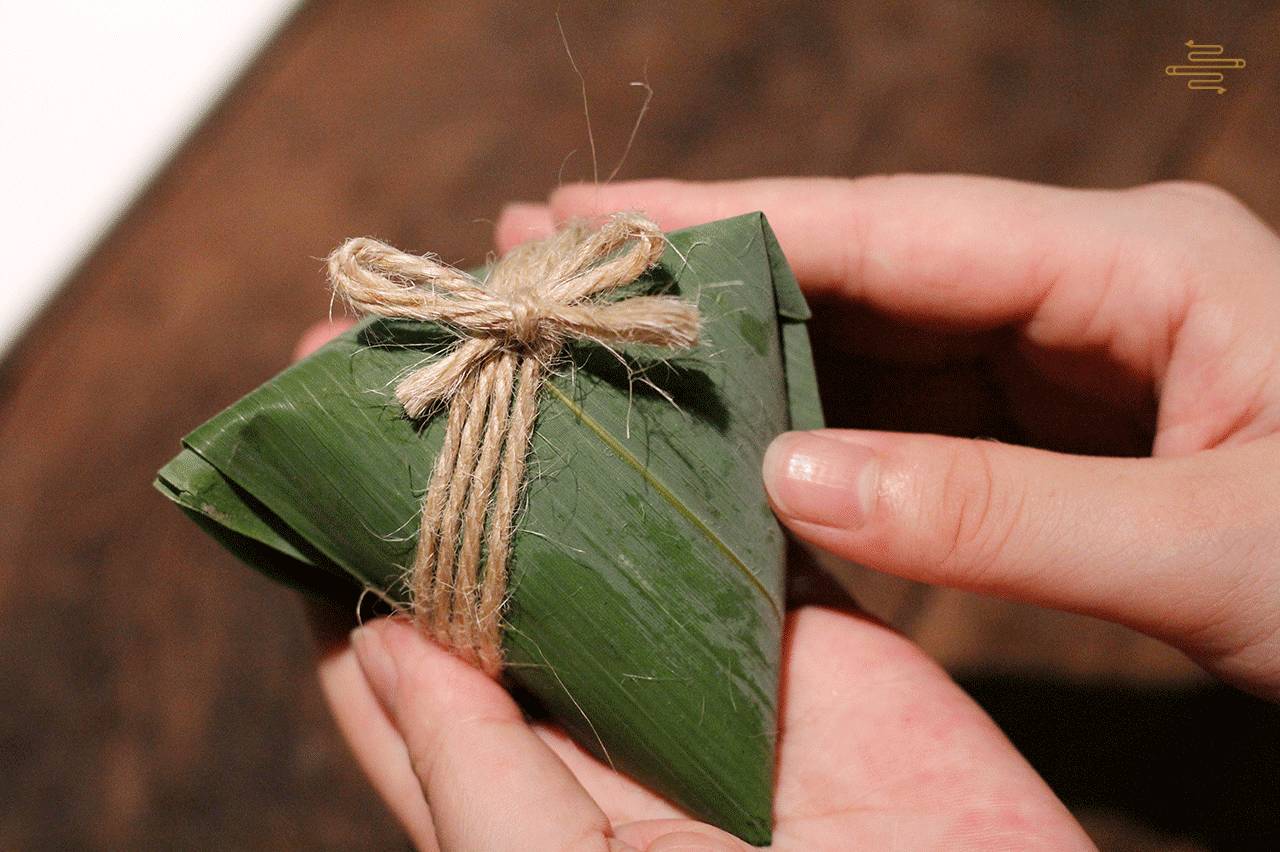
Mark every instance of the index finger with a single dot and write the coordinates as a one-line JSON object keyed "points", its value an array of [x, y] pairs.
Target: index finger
{"points": [[970, 251]]}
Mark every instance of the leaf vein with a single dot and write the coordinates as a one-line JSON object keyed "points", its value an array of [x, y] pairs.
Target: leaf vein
{"points": [[666, 493]]}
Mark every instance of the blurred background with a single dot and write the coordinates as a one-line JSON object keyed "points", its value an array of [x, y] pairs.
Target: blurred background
{"points": [[175, 179]]}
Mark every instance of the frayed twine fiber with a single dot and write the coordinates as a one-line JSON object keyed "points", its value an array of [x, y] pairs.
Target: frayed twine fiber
{"points": [[535, 299]]}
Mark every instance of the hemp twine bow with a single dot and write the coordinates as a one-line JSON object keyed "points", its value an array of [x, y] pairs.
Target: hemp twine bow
{"points": [[512, 325]]}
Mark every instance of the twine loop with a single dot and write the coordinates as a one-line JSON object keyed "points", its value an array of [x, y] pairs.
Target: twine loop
{"points": [[511, 326]]}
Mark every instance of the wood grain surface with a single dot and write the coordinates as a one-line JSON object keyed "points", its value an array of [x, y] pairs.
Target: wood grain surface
{"points": [[155, 694]]}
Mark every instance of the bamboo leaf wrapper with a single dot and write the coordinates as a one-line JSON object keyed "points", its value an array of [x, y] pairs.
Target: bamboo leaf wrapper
{"points": [[646, 600]]}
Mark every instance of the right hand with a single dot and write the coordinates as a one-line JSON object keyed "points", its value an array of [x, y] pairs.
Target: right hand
{"points": [[1114, 299]]}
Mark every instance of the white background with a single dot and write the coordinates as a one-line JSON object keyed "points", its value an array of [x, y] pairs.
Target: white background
{"points": [[94, 96]]}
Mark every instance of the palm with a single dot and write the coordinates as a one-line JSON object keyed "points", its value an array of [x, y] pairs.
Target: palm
{"points": [[879, 749]]}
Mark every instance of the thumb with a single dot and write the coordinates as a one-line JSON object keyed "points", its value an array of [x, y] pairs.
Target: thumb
{"points": [[1158, 544], [490, 782]]}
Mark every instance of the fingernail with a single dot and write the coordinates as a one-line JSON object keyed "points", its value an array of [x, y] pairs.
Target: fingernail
{"points": [[821, 480], [376, 663]]}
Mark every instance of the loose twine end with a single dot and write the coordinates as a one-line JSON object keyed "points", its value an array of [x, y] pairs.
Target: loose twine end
{"points": [[536, 298]]}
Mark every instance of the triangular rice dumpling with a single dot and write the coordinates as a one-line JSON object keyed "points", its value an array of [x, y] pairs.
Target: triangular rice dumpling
{"points": [[646, 593]]}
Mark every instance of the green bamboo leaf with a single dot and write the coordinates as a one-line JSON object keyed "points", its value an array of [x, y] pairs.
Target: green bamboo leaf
{"points": [[647, 576]]}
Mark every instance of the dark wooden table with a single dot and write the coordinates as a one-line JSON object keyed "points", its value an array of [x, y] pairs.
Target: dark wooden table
{"points": [[154, 693]]}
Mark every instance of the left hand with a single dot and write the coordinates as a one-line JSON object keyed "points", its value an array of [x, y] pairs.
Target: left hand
{"points": [[878, 749]]}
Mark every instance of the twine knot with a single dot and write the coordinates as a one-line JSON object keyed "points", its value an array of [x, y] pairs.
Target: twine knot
{"points": [[526, 319], [511, 326]]}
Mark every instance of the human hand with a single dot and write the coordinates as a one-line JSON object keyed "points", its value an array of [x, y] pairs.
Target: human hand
{"points": [[1103, 309], [878, 748]]}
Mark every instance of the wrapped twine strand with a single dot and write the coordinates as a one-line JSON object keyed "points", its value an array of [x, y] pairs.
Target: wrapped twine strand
{"points": [[511, 327]]}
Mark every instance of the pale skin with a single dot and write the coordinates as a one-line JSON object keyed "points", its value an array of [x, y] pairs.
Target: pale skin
{"points": [[1105, 302]]}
